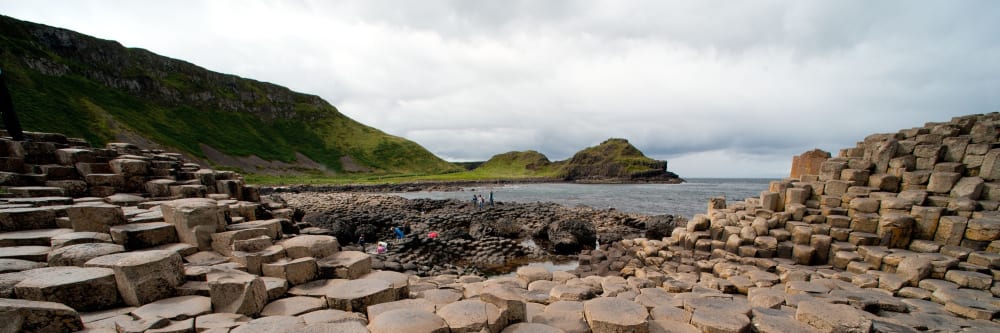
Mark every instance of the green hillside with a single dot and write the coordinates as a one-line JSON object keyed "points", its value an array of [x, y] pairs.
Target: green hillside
{"points": [[69, 83], [611, 161], [518, 165]]}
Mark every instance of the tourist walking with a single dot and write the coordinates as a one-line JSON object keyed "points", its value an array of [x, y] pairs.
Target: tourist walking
{"points": [[361, 241], [482, 202], [475, 200], [491, 198]]}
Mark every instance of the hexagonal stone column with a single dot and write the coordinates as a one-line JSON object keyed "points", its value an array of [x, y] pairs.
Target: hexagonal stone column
{"points": [[79, 254], [96, 217], [144, 276], [400, 282], [345, 265], [315, 246], [296, 271], [471, 316], [136, 236], [237, 292], [508, 299], [15, 219], [195, 219], [33, 316], [407, 321], [83, 289], [357, 295], [613, 314]]}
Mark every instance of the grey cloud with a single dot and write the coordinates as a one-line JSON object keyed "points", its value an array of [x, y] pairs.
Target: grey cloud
{"points": [[708, 84]]}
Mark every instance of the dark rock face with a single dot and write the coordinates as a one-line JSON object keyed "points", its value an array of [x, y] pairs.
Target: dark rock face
{"points": [[570, 236], [465, 236], [660, 226]]}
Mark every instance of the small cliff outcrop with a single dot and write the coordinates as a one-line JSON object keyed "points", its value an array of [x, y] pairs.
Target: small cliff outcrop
{"points": [[612, 161], [615, 159]]}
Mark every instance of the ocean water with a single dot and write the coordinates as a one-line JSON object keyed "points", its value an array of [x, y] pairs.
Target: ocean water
{"points": [[686, 199]]}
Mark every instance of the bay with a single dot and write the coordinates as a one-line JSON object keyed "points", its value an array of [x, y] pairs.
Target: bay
{"points": [[685, 199]]}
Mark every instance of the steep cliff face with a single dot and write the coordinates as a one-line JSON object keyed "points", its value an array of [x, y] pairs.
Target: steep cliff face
{"points": [[67, 82]]}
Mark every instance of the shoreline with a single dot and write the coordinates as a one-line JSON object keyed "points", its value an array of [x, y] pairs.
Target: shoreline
{"points": [[445, 186]]}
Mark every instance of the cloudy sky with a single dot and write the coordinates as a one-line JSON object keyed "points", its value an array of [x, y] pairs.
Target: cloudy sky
{"points": [[718, 88]]}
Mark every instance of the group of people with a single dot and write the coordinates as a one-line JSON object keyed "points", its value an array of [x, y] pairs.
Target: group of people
{"points": [[399, 231], [479, 201]]}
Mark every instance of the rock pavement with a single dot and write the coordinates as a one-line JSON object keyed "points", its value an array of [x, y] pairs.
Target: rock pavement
{"points": [[898, 234]]}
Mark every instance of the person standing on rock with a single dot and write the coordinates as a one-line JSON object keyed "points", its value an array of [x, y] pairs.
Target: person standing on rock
{"points": [[361, 241], [399, 233], [482, 202], [491, 198], [475, 200]]}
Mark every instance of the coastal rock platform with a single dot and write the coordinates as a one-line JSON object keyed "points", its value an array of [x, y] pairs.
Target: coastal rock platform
{"points": [[899, 234]]}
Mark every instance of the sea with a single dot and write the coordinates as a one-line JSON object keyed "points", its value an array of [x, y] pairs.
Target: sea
{"points": [[685, 199]]}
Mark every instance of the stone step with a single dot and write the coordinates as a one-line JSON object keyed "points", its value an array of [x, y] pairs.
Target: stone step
{"points": [[134, 236], [17, 219], [39, 237]]}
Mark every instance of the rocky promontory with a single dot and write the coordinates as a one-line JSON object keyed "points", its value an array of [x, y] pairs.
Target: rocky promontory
{"points": [[468, 237]]}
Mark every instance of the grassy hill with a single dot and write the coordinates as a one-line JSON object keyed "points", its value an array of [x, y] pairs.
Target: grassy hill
{"points": [[66, 82], [611, 161]]}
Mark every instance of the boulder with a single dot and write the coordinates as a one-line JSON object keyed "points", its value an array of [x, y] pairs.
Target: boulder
{"points": [[569, 236]]}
